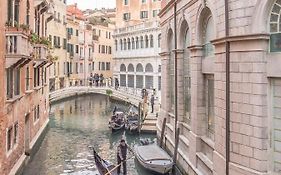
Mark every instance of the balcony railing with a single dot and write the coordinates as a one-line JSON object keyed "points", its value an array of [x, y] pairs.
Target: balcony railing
{"points": [[17, 43], [40, 52], [145, 25]]}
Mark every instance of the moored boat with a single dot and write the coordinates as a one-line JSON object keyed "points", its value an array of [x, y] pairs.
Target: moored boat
{"points": [[154, 158], [117, 121], [132, 122], [104, 167]]}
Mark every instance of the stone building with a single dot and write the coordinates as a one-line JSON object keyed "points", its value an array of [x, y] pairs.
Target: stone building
{"points": [[89, 44], [255, 79], [24, 50], [57, 35], [137, 63]]}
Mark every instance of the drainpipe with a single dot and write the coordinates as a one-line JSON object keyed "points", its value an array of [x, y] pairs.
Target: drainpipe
{"points": [[176, 79], [227, 64]]}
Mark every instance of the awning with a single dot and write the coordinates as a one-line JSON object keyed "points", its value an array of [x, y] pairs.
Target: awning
{"points": [[14, 62], [39, 63]]}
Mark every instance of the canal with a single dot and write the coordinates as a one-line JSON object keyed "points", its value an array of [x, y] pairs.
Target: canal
{"points": [[75, 124]]}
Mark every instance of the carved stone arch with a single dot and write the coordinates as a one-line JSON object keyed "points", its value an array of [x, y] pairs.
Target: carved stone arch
{"points": [[261, 16], [200, 16], [183, 29]]}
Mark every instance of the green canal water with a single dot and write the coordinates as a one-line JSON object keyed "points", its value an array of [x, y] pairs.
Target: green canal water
{"points": [[75, 124]]}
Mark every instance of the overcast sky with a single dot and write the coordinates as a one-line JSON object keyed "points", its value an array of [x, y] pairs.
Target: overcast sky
{"points": [[92, 4]]}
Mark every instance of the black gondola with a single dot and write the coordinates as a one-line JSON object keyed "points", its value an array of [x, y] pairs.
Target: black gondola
{"points": [[104, 167], [117, 122], [132, 123]]}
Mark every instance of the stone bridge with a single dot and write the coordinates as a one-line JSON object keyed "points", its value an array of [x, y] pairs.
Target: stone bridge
{"points": [[127, 95]]}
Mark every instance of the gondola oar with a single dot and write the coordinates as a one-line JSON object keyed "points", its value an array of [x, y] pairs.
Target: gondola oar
{"points": [[109, 172]]}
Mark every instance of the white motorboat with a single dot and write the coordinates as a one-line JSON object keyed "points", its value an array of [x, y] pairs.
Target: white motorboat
{"points": [[154, 158]]}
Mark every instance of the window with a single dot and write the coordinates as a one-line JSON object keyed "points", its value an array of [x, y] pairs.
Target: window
{"points": [[109, 50], [137, 42], [159, 40], [16, 129], [77, 33], [146, 41], [81, 68], [133, 43], [275, 27], [116, 45], [102, 66], [210, 108], [64, 43], [27, 78], [208, 47], [17, 82], [141, 41], [9, 138], [143, 1], [154, 13], [151, 41], [93, 66], [36, 113], [129, 44], [125, 44], [107, 65], [143, 14], [126, 16], [126, 2]]}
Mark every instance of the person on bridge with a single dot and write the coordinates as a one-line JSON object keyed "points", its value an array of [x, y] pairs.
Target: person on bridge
{"points": [[152, 103], [122, 156]]}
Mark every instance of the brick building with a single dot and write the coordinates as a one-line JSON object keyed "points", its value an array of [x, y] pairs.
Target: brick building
{"points": [[23, 82], [255, 79]]}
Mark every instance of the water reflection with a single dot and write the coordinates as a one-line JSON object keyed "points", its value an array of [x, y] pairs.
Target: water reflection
{"points": [[75, 124]]}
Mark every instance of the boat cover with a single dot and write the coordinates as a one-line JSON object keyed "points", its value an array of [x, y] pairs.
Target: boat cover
{"points": [[152, 152]]}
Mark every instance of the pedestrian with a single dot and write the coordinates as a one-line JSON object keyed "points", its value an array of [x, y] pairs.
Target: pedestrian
{"points": [[122, 156], [152, 103], [101, 79], [116, 83], [97, 79], [91, 79]]}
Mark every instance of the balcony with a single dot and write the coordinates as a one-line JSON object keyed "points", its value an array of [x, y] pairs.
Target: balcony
{"points": [[18, 47], [40, 52]]}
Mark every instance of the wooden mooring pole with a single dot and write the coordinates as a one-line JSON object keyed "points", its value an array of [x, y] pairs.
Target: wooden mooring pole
{"points": [[163, 132], [176, 149]]}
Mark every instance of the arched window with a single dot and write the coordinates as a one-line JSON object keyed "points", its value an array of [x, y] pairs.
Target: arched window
{"points": [[139, 68], [121, 44], [171, 73], [159, 40], [129, 44], [137, 43], [184, 43], [122, 68], [133, 43], [208, 35], [139, 76], [125, 44], [116, 45], [151, 41], [148, 68], [146, 41], [275, 27], [141, 42], [131, 68]]}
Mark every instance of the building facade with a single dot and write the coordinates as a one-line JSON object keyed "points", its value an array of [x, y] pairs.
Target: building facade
{"points": [[57, 36], [137, 63], [255, 76], [89, 47], [24, 80]]}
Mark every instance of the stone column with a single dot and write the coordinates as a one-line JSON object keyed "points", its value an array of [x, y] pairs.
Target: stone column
{"points": [[197, 102]]}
